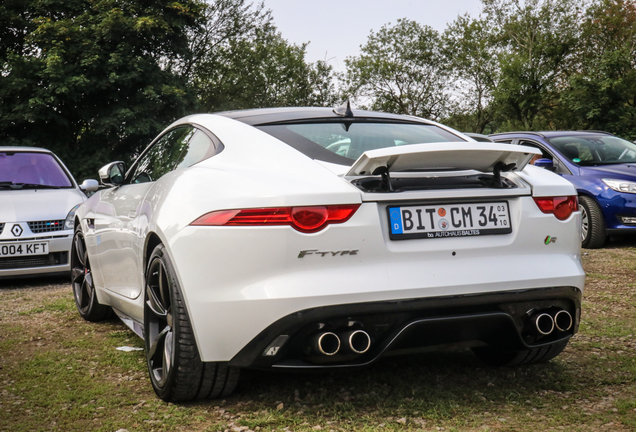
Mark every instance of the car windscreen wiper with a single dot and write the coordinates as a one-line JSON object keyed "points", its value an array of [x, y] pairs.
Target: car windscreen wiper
{"points": [[7, 184], [26, 185]]}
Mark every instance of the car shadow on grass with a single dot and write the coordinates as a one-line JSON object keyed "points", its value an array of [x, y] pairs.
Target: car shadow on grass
{"points": [[423, 381], [26, 282]]}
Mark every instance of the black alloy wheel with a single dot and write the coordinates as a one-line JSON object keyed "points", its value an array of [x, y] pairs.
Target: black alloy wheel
{"points": [[86, 301], [158, 316], [174, 365]]}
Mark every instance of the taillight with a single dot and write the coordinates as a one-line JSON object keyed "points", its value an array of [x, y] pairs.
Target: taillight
{"points": [[561, 207], [308, 219]]}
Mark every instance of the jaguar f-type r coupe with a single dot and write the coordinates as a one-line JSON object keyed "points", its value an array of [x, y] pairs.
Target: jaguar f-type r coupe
{"points": [[312, 238]]}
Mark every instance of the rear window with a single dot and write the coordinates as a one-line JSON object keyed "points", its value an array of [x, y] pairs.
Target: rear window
{"points": [[344, 142], [30, 169]]}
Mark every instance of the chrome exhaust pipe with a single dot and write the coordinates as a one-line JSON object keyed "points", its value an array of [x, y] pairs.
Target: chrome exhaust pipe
{"points": [[357, 341], [544, 323], [326, 343], [563, 320]]}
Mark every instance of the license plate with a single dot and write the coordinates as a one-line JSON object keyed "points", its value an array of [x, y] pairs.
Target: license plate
{"points": [[449, 220], [24, 249]]}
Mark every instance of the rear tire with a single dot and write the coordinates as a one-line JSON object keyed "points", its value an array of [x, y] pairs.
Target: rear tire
{"points": [[82, 283], [593, 233], [496, 357], [175, 367]]}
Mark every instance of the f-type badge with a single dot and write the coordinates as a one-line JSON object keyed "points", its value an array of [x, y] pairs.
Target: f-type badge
{"points": [[326, 253], [16, 230]]}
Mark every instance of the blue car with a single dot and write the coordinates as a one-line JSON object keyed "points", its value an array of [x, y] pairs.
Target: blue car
{"points": [[601, 166]]}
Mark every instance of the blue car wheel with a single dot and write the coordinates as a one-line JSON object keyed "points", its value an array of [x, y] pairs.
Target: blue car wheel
{"points": [[593, 232]]}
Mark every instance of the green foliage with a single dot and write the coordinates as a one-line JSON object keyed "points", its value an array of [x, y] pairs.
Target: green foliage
{"points": [[545, 64], [253, 66], [96, 80], [402, 70], [602, 91], [85, 78], [536, 43], [471, 51]]}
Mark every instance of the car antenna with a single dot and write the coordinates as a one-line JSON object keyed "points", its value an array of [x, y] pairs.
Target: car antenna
{"points": [[344, 110]]}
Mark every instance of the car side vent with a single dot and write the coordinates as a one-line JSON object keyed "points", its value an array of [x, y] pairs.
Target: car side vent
{"points": [[46, 226]]}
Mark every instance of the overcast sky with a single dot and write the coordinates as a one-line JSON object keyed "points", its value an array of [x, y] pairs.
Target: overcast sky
{"points": [[337, 28]]}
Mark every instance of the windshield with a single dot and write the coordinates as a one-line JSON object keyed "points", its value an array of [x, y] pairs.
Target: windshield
{"points": [[595, 149], [29, 169], [343, 142]]}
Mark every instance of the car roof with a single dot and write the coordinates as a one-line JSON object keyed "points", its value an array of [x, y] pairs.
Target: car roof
{"points": [[24, 149], [478, 136], [552, 134], [263, 116]]}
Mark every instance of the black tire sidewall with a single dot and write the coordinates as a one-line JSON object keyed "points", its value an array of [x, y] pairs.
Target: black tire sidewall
{"points": [[95, 311], [595, 237], [165, 391]]}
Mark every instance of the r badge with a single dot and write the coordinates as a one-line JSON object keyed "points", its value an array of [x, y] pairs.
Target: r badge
{"points": [[549, 240]]}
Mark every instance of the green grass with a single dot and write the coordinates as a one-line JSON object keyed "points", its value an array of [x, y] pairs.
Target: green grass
{"points": [[58, 372]]}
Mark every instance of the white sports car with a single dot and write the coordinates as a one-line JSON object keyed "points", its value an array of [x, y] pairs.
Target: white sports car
{"points": [[312, 238], [38, 198]]}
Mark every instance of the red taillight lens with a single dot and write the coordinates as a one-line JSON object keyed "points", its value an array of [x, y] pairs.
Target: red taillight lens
{"points": [[561, 207], [304, 219], [307, 219]]}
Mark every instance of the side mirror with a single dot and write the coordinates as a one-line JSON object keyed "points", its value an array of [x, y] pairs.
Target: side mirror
{"points": [[545, 163], [113, 174], [89, 185]]}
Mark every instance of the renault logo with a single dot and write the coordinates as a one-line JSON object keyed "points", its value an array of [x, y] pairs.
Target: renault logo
{"points": [[16, 230]]}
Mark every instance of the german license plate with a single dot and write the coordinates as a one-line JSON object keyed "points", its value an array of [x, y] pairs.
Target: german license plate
{"points": [[24, 249], [449, 220]]}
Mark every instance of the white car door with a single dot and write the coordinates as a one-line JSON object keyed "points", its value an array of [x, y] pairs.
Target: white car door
{"points": [[125, 211]]}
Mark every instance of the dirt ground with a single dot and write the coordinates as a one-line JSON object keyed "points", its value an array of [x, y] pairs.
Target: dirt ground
{"points": [[58, 372]]}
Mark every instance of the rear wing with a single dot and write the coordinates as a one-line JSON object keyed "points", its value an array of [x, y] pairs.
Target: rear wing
{"points": [[425, 159]]}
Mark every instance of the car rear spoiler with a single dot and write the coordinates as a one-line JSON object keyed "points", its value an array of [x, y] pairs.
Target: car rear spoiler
{"points": [[442, 159]]}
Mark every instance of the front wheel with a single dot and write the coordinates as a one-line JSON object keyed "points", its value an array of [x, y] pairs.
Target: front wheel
{"points": [[82, 281], [176, 370], [593, 232]]}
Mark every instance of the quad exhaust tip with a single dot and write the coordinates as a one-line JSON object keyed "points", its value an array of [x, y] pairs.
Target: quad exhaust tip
{"points": [[544, 323], [563, 320], [352, 341], [358, 341], [327, 343]]}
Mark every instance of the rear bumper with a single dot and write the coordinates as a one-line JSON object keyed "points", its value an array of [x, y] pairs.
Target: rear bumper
{"points": [[502, 320], [238, 281]]}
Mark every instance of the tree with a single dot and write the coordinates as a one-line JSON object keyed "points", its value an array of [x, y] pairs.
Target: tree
{"points": [[253, 66], [401, 69], [602, 90], [537, 41], [85, 79], [470, 49]]}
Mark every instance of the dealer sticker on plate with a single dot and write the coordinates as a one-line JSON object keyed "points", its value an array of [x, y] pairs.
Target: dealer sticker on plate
{"points": [[449, 220]]}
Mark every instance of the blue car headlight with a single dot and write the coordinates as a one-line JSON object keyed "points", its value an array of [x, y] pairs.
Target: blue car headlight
{"points": [[621, 185], [69, 223]]}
